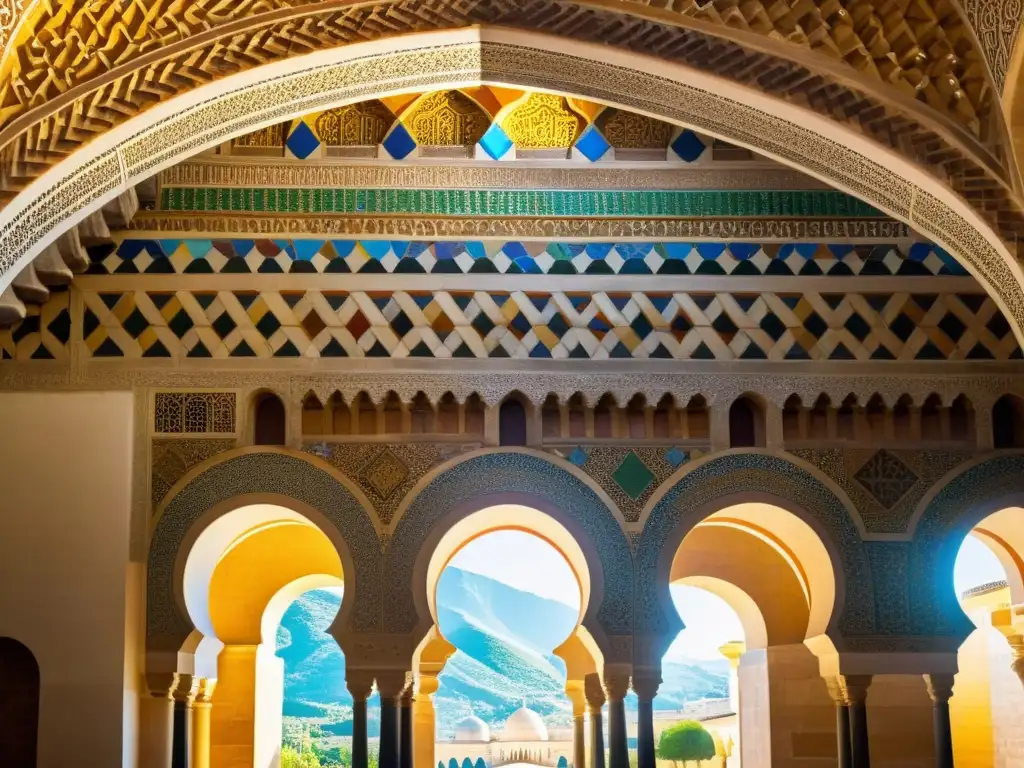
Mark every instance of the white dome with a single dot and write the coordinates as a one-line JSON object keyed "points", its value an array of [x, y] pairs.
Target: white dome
{"points": [[472, 728], [524, 725]]}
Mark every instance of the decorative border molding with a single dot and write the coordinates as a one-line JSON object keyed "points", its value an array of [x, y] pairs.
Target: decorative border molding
{"points": [[160, 223], [493, 380], [997, 24], [214, 113], [235, 171]]}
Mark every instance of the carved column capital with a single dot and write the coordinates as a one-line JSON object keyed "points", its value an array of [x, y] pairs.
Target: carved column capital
{"points": [[646, 684], [204, 692], [848, 690], [185, 691], [359, 683], [392, 684], [616, 686], [594, 691], [940, 688], [427, 685], [162, 685]]}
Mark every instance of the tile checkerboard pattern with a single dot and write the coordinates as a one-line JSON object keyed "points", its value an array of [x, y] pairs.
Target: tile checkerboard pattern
{"points": [[318, 256], [601, 325]]}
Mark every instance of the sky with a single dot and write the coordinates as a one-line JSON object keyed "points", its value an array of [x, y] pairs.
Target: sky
{"points": [[975, 565]]}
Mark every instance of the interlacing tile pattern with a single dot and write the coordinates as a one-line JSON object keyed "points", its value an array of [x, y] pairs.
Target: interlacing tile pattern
{"points": [[343, 256], [544, 325]]}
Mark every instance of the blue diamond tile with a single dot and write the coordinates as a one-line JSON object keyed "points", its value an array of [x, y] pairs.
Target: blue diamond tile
{"points": [[399, 142], [302, 142], [592, 144], [688, 146], [495, 142], [578, 456], [676, 456]]}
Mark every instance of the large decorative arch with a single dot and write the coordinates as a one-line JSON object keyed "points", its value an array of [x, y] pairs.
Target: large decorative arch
{"points": [[700, 490], [957, 503], [209, 114], [269, 475], [511, 476]]}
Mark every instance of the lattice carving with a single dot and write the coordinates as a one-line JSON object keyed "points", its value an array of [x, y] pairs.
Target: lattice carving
{"points": [[194, 413], [542, 121], [447, 118], [629, 130], [356, 125], [271, 136]]}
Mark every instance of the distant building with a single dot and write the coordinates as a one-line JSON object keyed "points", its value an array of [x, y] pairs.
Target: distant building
{"points": [[524, 738]]}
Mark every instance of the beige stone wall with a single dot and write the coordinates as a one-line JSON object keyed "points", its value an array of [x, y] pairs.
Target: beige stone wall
{"points": [[900, 723], [970, 709], [64, 533], [1007, 706], [802, 712]]}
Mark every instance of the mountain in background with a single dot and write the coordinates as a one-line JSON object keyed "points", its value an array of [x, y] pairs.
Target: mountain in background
{"points": [[504, 637]]}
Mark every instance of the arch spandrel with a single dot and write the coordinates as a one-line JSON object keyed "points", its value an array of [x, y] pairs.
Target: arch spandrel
{"points": [[231, 106], [285, 479], [503, 477], [724, 480], [959, 501]]}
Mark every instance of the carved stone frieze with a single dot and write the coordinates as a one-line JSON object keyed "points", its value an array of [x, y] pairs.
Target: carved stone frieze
{"points": [[997, 24], [386, 471], [885, 485], [244, 172], [789, 229]]}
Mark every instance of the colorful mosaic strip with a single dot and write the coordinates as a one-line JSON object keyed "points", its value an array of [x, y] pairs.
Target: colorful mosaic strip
{"points": [[460, 202], [444, 324], [195, 256]]}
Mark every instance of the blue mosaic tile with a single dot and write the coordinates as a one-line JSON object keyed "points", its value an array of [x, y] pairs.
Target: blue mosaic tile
{"points": [[578, 456], [399, 143], [495, 142], [676, 456], [688, 146], [302, 142], [592, 145]]}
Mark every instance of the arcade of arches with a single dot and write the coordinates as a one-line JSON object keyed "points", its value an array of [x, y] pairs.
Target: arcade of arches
{"points": [[297, 295]]}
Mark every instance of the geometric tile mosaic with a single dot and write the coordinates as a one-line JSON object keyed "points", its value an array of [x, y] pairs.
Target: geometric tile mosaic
{"points": [[320, 256], [543, 325], [497, 202], [43, 334]]}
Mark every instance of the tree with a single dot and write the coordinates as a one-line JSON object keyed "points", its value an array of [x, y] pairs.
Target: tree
{"points": [[686, 740], [467, 763], [479, 763], [292, 759], [453, 763], [562, 762]]}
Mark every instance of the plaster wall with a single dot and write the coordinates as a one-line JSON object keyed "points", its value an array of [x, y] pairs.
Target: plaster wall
{"points": [[802, 713], [900, 722], [755, 710], [970, 709], [64, 533], [1007, 706]]}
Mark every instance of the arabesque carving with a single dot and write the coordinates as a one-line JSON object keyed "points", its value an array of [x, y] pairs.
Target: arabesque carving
{"points": [[446, 118], [629, 130], [542, 121], [362, 124]]}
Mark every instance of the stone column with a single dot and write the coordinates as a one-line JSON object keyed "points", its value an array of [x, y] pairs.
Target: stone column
{"points": [[405, 728], [615, 688], [844, 738], [574, 689], [646, 687], [423, 724], [201, 723], [940, 690], [595, 700], [183, 696], [156, 716], [390, 685], [856, 692], [732, 651], [360, 685]]}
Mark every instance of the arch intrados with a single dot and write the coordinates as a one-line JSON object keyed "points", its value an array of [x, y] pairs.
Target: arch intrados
{"points": [[284, 597], [858, 160], [812, 547], [755, 631], [1003, 533], [225, 523], [447, 535]]}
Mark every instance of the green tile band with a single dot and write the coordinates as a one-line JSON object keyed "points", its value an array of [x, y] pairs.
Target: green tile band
{"points": [[458, 202]]}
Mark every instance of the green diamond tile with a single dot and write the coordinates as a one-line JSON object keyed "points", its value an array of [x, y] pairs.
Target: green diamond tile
{"points": [[633, 476]]}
